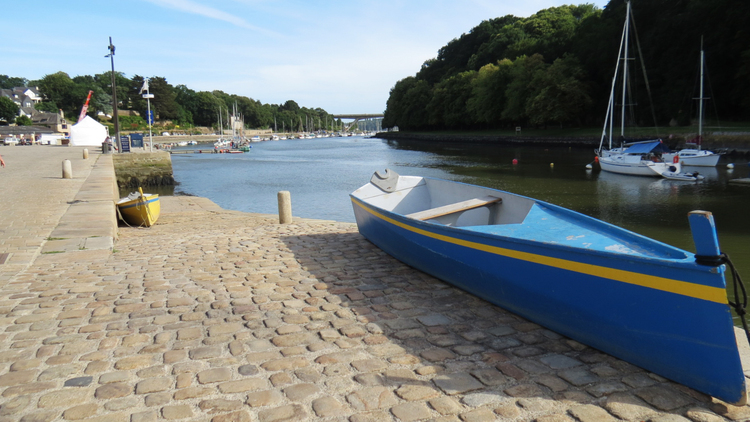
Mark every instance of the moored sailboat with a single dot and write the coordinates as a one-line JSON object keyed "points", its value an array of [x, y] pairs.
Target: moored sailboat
{"points": [[637, 159], [693, 155]]}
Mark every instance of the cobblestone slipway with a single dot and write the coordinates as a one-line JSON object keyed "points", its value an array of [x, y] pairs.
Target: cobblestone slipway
{"points": [[215, 315]]}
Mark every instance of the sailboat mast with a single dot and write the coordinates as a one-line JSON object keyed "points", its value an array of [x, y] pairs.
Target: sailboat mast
{"points": [[700, 104], [625, 70], [609, 120]]}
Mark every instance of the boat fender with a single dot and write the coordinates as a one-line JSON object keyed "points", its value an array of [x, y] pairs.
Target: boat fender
{"points": [[675, 159]]}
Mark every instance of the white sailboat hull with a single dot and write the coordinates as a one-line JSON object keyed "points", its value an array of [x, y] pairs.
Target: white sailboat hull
{"points": [[634, 166], [694, 157]]}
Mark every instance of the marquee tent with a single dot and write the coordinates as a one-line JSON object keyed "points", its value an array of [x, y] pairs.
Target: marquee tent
{"points": [[88, 132]]}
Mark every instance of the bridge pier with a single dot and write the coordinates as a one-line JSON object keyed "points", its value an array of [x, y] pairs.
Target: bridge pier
{"points": [[357, 118]]}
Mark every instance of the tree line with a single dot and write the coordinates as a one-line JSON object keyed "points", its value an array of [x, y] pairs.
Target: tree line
{"points": [[179, 105], [556, 67]]}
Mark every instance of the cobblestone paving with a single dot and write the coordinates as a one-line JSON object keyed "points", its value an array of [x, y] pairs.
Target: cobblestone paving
{"points": [[35, 196], [223, 316]]}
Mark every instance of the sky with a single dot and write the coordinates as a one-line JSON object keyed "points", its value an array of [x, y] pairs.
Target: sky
{"points": [[341, 56]]}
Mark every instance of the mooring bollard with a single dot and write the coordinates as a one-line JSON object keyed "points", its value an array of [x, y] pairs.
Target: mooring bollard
{"points": [[285, 207], [85, 153], [67, 170]]}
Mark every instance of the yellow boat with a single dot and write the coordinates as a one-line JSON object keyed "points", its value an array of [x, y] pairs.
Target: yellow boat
{"points": [[140, 209]]}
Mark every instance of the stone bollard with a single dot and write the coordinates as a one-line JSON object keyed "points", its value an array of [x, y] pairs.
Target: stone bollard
{"points": [[85, 153], [67, 170], [285, 207]]}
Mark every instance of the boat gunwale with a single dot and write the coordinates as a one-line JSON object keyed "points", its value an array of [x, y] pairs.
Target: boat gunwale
{"points": [[555, 258], [138, 201], [591, 222]]}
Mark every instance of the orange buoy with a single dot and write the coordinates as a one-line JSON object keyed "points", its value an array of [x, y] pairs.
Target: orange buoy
{"points": [[676, 159]]}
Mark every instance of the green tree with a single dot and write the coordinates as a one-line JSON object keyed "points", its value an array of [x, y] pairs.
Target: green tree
{"points": [[550, 32], [290, 105], [488, 93], [521, 88], [206, 109], [448, 105], [7, 82], [561, 95], [164, 98], [188, 101], [407, 104], [8, 110], [125, 96], [496, 48], [57, 88], [458, 55], [46, 106], [23, 121]]}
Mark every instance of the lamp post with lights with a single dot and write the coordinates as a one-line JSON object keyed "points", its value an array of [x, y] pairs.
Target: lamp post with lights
{"points": [[149, 117], [111, 56]]}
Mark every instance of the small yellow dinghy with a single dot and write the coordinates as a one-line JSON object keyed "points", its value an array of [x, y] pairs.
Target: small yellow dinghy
{"points": [[140, 209]]}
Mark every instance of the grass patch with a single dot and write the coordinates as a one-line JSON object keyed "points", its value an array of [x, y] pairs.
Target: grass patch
{"points": [[56, 238], [51, 252]]}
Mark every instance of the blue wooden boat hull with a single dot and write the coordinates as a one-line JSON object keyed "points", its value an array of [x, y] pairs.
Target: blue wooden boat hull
{"points": [[665, 314]]}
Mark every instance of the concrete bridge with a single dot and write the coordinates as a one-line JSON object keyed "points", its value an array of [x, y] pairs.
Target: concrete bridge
{"points": [[356, 118]]}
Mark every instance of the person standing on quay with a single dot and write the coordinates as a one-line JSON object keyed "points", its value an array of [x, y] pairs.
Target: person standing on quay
{"points": [[2, 163]]}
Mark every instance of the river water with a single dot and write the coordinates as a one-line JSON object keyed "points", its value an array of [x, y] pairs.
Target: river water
{"points": [[320, 173]]}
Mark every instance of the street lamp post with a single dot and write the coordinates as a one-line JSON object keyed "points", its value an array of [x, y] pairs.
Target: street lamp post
{"points": [[111, 56], [148, 96]]}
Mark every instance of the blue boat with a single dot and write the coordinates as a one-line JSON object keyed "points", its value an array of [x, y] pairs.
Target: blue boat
{"points": [[656, 306]]}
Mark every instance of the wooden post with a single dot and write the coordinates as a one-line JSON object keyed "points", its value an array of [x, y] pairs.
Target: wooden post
{"points": [[67, 170], [285, 207], [85, 153]]}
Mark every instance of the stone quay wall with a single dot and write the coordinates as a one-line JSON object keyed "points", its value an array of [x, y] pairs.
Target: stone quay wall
{"points": [[143, 169]]}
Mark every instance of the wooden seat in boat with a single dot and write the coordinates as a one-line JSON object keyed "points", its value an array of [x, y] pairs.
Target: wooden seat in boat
{"points": [[454, 208]]}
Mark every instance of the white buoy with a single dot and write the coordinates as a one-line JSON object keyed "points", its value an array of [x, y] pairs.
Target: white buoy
{"points": [[589, 166], [67, 170], [730, 166], [85, 153], [285, 207]]}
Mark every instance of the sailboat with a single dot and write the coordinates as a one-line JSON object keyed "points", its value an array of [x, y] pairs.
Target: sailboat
{"points": [[638, 159], [693, 155]]}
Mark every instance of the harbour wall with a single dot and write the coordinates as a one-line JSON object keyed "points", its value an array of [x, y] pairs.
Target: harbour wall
{"points": [[143, 169]]}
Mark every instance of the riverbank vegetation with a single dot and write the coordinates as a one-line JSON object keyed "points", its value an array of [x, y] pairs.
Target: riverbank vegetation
{"points": [[174, 106], [554, 69]]}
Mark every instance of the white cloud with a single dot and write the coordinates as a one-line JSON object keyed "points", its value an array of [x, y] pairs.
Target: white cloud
{"points": [[194, 8]]}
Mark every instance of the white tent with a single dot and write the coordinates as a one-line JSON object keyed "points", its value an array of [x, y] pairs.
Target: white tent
{"points": [[88, 132]]}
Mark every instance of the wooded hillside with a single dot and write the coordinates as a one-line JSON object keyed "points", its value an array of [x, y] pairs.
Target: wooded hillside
{"points": [[556, 67]]}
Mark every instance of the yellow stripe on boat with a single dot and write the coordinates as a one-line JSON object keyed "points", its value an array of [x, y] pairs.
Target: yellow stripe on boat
{"points": [[698, 291]]}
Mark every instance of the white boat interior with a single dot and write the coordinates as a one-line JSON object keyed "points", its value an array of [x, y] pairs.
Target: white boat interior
{"points": [[499, 213]]}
